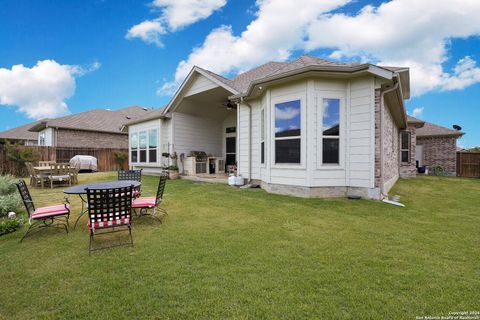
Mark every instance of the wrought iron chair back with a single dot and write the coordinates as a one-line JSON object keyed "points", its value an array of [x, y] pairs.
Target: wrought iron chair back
{"points": [[26, 197], [161, 187], [134, 175], [107, 206]]}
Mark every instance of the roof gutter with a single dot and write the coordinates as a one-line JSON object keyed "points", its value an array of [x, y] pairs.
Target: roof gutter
{"points": [[242, 100], [335, 69]]}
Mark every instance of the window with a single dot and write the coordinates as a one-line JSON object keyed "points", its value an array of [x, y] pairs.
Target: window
{"points": [[152, 145], [41, 138], [142, 137], [405, 146], [134, 147], [230, 129], [331, 131], [287, 132], [262, 137]]}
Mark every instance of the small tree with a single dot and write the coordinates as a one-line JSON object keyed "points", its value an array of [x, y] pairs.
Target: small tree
{"points": [[19, 154], [120, 158]]}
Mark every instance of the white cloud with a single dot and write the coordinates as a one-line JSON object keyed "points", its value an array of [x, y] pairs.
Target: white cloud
{"points": [[149, 31], [175, 14], [409, 33], [287, 113], [416, 112], [278, 29], [40, 91]]}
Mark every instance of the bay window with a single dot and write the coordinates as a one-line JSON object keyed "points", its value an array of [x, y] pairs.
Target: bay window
{"points": [[331, 131], [288, 132]]}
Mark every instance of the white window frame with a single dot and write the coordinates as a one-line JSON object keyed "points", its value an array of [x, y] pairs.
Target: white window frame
{"points": [[319, 134], [263, 134], [42, 138], [409, 148], [147, 149], [148, 145], [303, 128]]}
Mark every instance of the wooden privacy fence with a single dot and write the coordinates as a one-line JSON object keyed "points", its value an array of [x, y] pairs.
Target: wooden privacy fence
{"points": [[105, 157], [468, 164]]}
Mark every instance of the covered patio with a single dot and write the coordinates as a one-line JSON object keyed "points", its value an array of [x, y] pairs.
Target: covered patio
{"points": [[205, 133]]}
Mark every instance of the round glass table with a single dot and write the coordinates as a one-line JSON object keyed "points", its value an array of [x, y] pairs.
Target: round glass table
{"points": [[81, 190]]}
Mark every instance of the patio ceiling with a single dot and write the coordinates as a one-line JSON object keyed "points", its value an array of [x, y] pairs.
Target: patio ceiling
{"points": [[209, 103]]}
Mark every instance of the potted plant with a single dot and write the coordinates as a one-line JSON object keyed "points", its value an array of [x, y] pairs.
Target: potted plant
{"points": [[173, 169], [173, 172]]}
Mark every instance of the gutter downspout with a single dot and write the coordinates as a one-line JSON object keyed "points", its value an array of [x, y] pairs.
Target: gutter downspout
{"points": [[242, 100], [382, 131]]}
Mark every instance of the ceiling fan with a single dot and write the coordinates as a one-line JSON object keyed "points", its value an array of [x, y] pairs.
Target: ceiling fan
{"points": [[229, 105]]}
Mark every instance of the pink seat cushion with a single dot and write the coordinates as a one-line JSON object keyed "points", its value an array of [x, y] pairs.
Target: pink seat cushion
{"points": [[109, 223], [51, 211], [137, 193], [144, 202]]}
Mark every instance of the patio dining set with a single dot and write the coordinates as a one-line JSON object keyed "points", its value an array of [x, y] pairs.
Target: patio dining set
{"points": [[109, 206], [49, 173]]}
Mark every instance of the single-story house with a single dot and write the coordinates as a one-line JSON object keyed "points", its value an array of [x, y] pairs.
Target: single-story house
{"points": [[436, 146], [21, 134], [98, 128], [309, 127]]}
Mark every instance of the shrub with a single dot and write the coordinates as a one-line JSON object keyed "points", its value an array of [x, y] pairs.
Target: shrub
{"points": [[10, 225], [19, 154], [438, 171], [7, 185], [120, 158], [9, 197]]}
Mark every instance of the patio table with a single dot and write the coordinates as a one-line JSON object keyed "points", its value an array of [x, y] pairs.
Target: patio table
{"points": [[81, 190]]}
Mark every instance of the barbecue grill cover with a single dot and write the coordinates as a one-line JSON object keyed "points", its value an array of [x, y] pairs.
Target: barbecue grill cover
{"points": [[84, 163]]}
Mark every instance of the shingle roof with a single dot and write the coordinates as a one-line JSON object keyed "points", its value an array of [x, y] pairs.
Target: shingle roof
{"points": [[20, 132], [151, 115], [101, 120], [243, 80], [430, 129]]}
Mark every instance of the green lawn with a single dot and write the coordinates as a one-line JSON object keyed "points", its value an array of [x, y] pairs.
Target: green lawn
{"points": [[230, 253]]}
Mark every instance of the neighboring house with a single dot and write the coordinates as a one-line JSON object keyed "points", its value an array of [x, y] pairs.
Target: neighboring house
{"points": [[436, 146], [99, 128], [21, 134]]}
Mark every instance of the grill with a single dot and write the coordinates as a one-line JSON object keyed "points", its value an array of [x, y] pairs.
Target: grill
{"points": [[201, 160]]}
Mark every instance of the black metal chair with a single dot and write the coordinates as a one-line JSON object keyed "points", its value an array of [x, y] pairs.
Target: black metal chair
{"points": [[145, 203], [133, 175], [109, 209], [50, 216]]}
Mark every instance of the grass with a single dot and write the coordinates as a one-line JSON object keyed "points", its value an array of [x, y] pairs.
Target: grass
{"points": [[230, 253]]}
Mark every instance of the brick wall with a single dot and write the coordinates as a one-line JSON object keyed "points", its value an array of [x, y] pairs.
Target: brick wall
{"points": [[440, 151], [89, 139], [390, 144]]}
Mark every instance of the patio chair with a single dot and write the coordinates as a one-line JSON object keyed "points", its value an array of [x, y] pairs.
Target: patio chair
{"points": [[134, 175], [109, 209], [73, 172], [50, 216], [146, 203], [35, 178], [59, 173]]}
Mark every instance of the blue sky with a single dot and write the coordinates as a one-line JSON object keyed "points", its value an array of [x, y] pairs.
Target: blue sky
{"points": [[107, 57]]}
